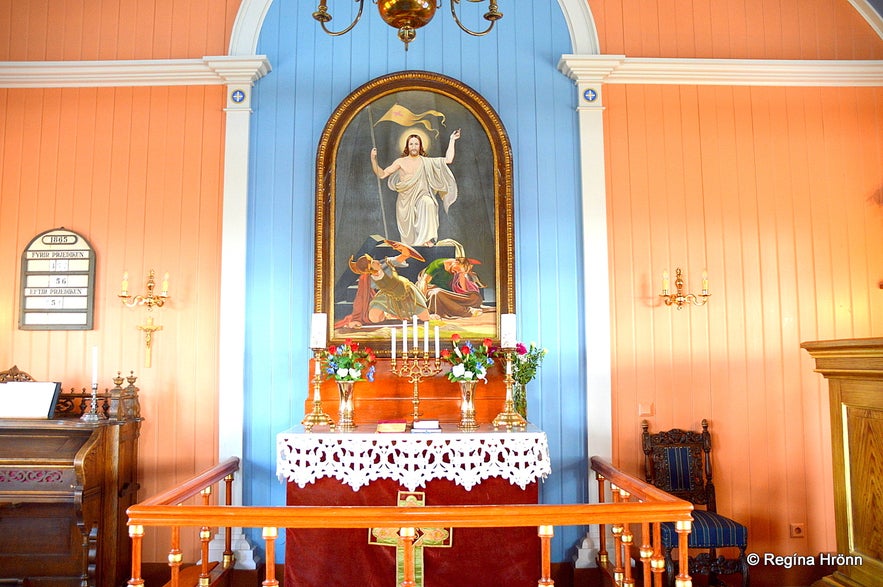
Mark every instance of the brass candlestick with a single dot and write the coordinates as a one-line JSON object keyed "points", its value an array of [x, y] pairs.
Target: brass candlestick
{"points": [[416, 368], [317, 417], [509, 418]]}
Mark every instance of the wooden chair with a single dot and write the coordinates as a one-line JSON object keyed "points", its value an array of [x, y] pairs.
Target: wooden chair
{"points": [[679, 462]]}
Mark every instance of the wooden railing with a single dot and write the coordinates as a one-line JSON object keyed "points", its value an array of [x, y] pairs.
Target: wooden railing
{"points": [[635, 503]]}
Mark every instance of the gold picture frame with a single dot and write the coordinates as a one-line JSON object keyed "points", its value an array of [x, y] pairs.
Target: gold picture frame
{"points": [[363, 218]]}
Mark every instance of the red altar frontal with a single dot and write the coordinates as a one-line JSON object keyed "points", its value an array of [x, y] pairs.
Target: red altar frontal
{"points": [[447, 468]]}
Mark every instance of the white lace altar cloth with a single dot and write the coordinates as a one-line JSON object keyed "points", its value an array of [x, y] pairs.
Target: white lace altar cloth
{"points": [[466, 458]]}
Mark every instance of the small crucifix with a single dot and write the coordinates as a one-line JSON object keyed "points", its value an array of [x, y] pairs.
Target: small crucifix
{"points": [[148, 330], [424, 538]]}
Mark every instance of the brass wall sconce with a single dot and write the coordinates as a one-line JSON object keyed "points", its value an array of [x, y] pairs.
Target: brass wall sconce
{"points": [[678, 297], [408, 16], [151, 300]]}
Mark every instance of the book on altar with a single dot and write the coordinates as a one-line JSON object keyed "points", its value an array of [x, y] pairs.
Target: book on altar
{"points": [[425, 426], [392, 426]]}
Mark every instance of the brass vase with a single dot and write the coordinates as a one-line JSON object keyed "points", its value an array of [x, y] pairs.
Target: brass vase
{"points": [[467, 406], [345, 409]]}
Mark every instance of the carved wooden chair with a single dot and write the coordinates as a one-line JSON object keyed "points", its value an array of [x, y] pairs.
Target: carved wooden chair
{"points": [[679, 462]]}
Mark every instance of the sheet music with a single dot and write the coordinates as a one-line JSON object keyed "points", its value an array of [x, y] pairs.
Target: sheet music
{"points": [[28, 399]]}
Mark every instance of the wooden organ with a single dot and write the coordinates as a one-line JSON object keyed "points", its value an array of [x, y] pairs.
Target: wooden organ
{"points": [[65, 484]]}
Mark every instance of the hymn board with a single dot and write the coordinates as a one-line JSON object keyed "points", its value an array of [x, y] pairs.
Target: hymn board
{"points": [[57, 282]]}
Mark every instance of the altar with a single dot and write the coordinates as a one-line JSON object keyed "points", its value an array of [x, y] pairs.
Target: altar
{"points": [[448, 468]]}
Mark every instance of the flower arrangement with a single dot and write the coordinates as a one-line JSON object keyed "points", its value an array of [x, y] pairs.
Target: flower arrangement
{"points": [[526, 361], [468, 362], [347, 362]]}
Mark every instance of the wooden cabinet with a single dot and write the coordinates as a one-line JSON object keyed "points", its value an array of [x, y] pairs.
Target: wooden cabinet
{"points": [[65, 484], [854, 369]]}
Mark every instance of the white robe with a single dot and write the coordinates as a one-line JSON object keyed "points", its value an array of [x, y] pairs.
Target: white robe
{"points": [[416, 206]]}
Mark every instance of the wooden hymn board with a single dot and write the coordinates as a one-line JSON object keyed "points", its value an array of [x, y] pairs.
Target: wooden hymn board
{"points": [[57, 282]]}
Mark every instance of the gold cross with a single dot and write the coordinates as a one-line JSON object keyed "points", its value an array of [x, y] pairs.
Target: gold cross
{"points": [[423, 538], [148, 330]]}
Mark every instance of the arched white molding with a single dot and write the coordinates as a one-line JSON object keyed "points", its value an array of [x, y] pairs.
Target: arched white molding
{"points": [[870, 15], [247, 26], [581, 24]]}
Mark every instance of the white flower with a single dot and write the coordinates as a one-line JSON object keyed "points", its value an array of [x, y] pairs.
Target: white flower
{"points": [[355, 374], [458, 370], [468, 375], [342, 373]]}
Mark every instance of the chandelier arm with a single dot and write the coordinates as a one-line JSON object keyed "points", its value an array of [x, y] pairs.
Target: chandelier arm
{"points": [[323, 17], [492, 15]]}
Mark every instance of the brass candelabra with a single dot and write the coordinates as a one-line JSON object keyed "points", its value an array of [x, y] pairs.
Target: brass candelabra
{"points": [[679, 298], [317, 417], [150, 299], [509, 418], [416, 368]]}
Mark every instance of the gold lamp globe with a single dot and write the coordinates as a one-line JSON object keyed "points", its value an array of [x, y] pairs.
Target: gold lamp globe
{"points": [[406, 15]]}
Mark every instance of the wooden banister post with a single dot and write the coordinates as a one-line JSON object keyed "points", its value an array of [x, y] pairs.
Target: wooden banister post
{"points": [[228, 531], [602, 528], [683, 578], [176, 557], [657, 562], [269, 535], [406, 539], [627, 538], [646, 552], [136, 533], [546, 533]]}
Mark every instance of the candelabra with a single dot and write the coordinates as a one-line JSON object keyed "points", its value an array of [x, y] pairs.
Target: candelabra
{"points": [[317, 417], [679, 298], [415, 368], [93, 415], [150, 299], [509, 418]]}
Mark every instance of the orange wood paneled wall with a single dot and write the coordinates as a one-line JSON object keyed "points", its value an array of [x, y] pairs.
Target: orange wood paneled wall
{"points": [[778, 193], [138, 172]]}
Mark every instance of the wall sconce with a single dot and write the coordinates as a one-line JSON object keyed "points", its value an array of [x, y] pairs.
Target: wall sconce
{"points": [[679, 298], [150, 299]]}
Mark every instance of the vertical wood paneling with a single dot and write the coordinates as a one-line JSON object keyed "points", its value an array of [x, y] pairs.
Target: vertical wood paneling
{"points": [[137, 172], [739, 29], [791, 235], [41, 30]]}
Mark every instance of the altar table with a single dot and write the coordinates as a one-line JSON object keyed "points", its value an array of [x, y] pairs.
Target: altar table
{"points": [[450, 468]]}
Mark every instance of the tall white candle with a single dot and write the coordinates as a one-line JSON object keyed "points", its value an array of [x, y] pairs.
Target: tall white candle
{"points": [[414, 318], [404, 337], [426, 338], [507, 331], [318, 331], [94, 366], [392, 345], [436, 342]]}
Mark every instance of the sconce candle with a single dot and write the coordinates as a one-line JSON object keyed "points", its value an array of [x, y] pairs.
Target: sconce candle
{"points": [[165, 286], [665, 281], [124, 289]]}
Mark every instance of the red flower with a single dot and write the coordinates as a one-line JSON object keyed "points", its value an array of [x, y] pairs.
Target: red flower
{"points": [[445, 353], [465, 349], [455, 337], [487, 343]]}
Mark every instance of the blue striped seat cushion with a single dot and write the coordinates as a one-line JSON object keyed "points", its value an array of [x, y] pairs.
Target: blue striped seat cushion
{"points": [[709, 529]]}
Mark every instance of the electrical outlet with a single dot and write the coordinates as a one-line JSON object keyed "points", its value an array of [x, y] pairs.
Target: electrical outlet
{"points": [[797, 529]]}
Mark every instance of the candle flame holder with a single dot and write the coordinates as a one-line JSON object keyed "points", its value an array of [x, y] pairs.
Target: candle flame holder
{"points": [[93, 415], [509, 418], [415, 368]]}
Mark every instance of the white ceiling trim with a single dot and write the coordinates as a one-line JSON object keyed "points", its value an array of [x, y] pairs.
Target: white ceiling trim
{"points": [[618, 69], [222, 70]]}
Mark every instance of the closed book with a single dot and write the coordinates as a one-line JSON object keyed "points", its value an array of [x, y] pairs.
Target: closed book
{"points": [[392, 426], [425, 425]]}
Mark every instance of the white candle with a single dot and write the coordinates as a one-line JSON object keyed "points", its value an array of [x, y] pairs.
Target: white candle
{"points": [[94, 366], [165, 285], [507, 331], [392, 345], [414, 318], [436, 342], [426, 338], [665, 281], [404, 337], [704, 281], [318, 331], [124, 288]]}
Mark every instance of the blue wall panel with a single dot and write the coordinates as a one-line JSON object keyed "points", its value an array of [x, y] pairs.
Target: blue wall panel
{"points": [[514, 68]]}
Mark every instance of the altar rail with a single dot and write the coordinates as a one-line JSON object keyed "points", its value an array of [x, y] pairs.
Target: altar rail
{"points": [[635, 504]]}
